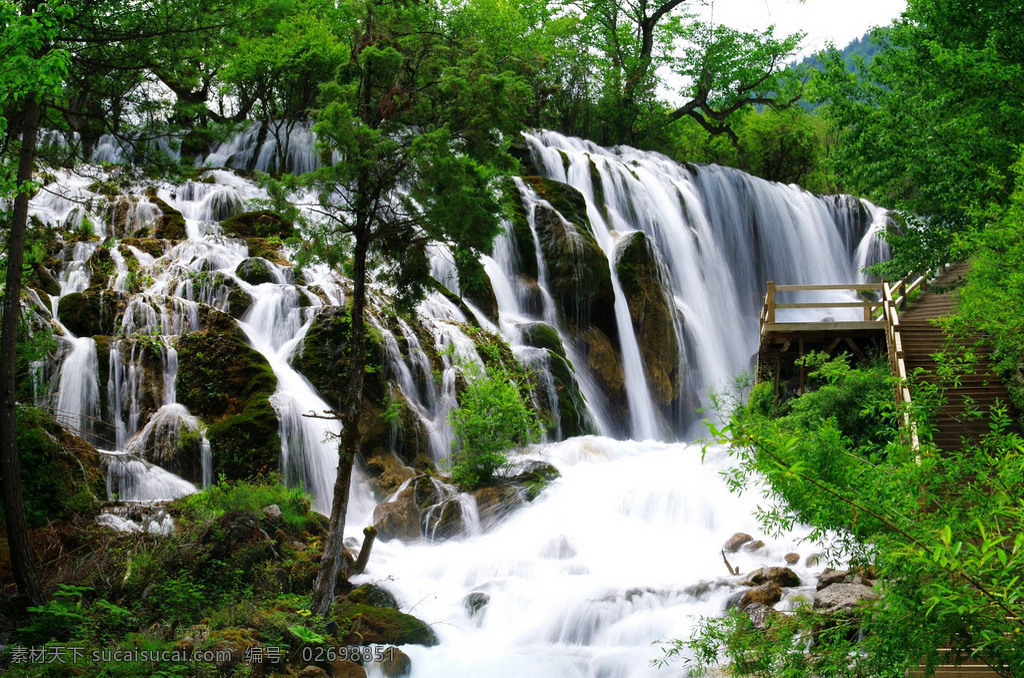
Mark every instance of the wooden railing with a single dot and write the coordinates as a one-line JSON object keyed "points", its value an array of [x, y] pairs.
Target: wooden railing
{"points": [[885, 311]]}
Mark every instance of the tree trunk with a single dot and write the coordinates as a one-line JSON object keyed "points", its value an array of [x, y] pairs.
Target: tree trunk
{"points": [[330, 563], [22, 562]]}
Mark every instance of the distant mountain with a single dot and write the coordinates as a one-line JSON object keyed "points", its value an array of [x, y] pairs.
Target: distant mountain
{"points": [[863, 47]]}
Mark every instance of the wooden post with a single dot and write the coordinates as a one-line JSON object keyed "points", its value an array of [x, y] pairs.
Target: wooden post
{"points": [[801, 366], [770, 302]]}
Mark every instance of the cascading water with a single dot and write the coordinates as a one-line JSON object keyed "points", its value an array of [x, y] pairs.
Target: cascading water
{"points": [[624, 548]]}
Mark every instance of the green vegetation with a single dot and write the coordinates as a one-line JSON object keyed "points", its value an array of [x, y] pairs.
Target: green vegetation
{"points": [[233, 576], [492, 419], [944, 532]]}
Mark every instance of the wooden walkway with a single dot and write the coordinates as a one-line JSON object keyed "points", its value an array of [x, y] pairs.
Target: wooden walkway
{"points": [[922, 339]]}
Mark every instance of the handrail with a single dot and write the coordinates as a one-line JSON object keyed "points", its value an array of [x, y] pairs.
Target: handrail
{"points": [[897, 362]]}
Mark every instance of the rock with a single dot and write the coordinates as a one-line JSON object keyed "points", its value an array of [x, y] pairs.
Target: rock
{"points": [[643, 277], [91, 312], [371, 594], [347, 669], [255, 271], [605, 363], [273, 512], [259, 224], [766, 594], [812, 560], [733, 543], [444, 520], [399, 519], [311, 672], [386, 472], [836, 597], [753, 546], [495, 502], [171, 223], [760, 614], [783, 576], [475, 602], [475, 285], [396, 663], [231, 384], [239, 301], [792, 558], [569, 412], [535, 476], [830, 576], [367, 625]]}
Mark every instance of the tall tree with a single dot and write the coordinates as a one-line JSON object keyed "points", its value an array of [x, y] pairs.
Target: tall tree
{"points": [[421, 122], [31, 70]]}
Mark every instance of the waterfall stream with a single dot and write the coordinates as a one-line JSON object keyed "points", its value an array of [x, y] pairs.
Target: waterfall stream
{"points": [[619, 552]]}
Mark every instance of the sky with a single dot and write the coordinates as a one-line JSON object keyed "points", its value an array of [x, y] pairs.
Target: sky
{"points": [[837, 21]]}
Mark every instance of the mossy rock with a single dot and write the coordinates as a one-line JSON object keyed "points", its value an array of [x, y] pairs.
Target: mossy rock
{"points": [[255, 271], [368, 625], [269, 249], [171, 223], [456, 300], [323, 358], [61, 474], [91, 312], [642, 276], [475, 285], [371, 594], [570, 408], [523, 237], [239, 301], [41, 279], [222, 377], [258, 224], [386, 472]]}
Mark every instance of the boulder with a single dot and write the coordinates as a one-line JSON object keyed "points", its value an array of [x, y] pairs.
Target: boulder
{"points": [[170, 225], [495, 502], [258, 224], [766, 594], [830, 576], [760, 614], [475, 602], [255, 271], [836, 597], [752, 546], [398, 519], [783, 576], [92, 312], [368, 625], [570, 407], [733, 543], [444, 520], [347, 669], [642, 275], [371, 594], [396, 663], [475, 285], [386, 472], [792, 558]]}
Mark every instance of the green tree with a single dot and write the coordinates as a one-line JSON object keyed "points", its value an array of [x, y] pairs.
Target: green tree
{"points": [[491, 419], [421, 126], [30, 70], [929, 126]]}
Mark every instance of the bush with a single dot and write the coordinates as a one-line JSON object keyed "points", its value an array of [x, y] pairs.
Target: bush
{"points": [[492, 418]]}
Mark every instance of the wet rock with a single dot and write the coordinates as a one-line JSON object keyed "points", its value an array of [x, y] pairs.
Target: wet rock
{"points": [[396, 663], [766, 594], [399, 519], [812, 560], [792, 558], [371, 594], [91, 312], [171, 223], [386, 472], [535, 476], [475, 602], [311, 672], [643, 277], [570, 407], [445, 520], [760, 614], [255, 271], [347, 669], [273, 512], [783, 576], [733, 543], [495, 502], [836, 597], [753, 546], [258, 224], [367, 625], [830, 576]]}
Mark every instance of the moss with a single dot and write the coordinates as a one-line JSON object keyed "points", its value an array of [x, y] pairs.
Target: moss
{"points": [[542, 335], [239, 301], [61, 474], [91, 312], [324, 358], [456, 300], [171, 223], [259, 224], [255, 271], [371, 594], [152, 247], [227, 381], [366, 625], [267, 248]]}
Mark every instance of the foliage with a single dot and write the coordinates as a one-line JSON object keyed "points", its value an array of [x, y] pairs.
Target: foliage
{"points": [[492, 418], [945, 533], [225, 496], [929, 126]]}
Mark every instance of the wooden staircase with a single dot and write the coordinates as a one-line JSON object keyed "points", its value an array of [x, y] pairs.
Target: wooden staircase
{"points": [[922, 339]]}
